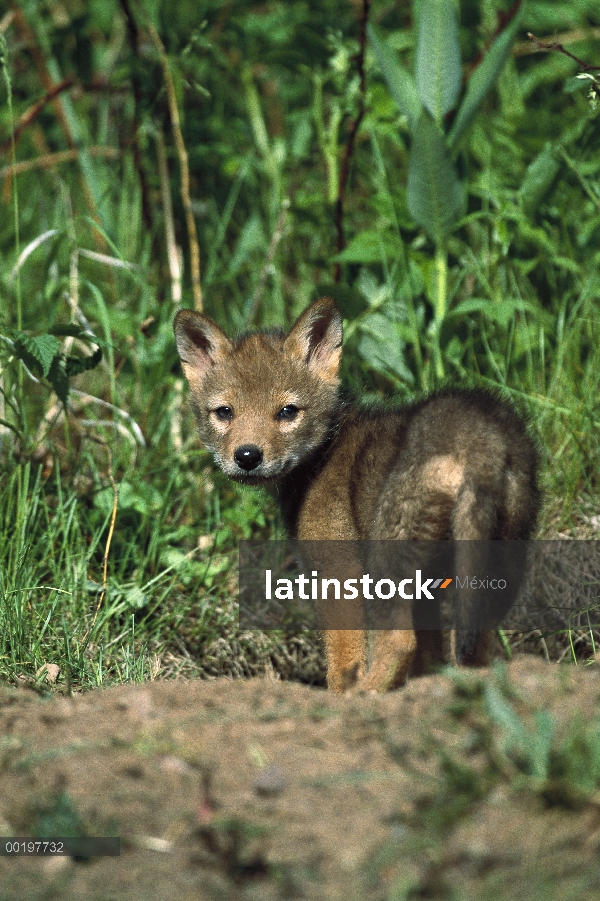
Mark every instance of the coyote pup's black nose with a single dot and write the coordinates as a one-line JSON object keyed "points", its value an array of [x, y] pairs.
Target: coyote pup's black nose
{"points": [[248, 456]]}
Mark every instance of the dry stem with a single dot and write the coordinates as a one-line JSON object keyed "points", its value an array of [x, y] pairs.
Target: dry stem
{"points": [[184, 167]]}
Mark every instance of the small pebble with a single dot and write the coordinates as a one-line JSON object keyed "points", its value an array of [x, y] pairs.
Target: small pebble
{"points": [[270, 782]]}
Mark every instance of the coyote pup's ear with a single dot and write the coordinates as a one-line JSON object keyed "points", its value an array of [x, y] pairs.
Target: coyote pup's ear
{"points": [[316, 338], [200, 343]]}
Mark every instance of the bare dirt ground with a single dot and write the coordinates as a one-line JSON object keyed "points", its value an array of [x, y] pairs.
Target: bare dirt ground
{"points": [[260, 789]]}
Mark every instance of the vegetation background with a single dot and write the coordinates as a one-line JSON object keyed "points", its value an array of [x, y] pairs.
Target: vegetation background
{"points": [[249, 157]]}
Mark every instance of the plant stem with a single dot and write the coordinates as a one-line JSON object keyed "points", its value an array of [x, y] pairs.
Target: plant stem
{"points": [[21, 420], [441, 283], [183, 166], [327, 137], [4, 65], [261, 135], [439, 296]]}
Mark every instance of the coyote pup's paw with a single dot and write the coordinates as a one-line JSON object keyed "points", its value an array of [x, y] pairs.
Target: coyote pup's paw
{"points": [[380, 679], [345, 680], [351, 676], [392, 658]]}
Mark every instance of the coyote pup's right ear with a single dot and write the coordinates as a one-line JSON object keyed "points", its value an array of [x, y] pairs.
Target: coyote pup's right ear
{"points": [[316, 338], [200, 343]]}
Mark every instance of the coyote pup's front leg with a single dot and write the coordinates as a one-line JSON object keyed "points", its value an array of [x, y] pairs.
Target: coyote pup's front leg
{"points": [[345, 651]]}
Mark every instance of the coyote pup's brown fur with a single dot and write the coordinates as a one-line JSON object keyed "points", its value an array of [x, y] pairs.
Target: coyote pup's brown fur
{"points": [[455, 465]]}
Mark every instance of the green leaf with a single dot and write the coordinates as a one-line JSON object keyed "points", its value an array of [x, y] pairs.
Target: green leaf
{"points": [[400, 82], [70, 329], [438, 73], [42, 355], [501, 311], [434, 193], [134, 597], [144, 499], [541, 743], [251, 242], [539, 178], [381, 346], [58, 378], [501, 712], [482, 81], [349, 299], [76, 365], [369, 246], [37, 352]]}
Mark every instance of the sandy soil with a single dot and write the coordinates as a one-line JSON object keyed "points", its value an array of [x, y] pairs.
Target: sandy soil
{"points": [[270, 790]]}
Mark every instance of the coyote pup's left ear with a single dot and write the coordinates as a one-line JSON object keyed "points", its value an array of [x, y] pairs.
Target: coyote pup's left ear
{"points": [[316, 338], [200, 343]]}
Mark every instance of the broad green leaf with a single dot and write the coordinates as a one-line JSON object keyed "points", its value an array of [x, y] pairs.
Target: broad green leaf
{"points": [[438, 73], [434, 193], [539, 177], [102, 14], [472, 305], [143, 498], [501, 311], [134, 597], [578, 83], [369, 246], [482, 81], [37, 352], [382, 347], [351, 301], [400, 82]]}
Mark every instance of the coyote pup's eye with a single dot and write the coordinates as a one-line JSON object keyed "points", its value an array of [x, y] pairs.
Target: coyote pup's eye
{"points": [[225, 414], [288, 412]]}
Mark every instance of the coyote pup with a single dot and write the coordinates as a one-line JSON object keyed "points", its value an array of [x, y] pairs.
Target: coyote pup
{"points": [[458, 464]]}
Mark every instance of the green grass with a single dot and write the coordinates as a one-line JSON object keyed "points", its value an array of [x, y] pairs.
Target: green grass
{"points": [[169, 604]]}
